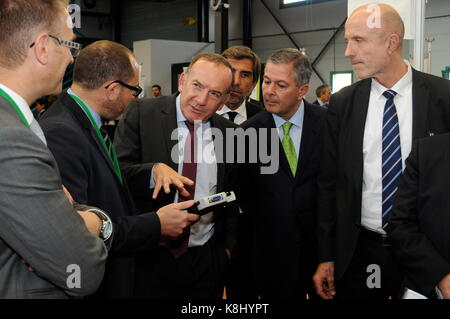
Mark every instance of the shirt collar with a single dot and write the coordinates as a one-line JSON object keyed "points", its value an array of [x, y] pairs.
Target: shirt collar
{"points": [[296, 119], [400, 87], [180, 115], [21, 103], [240, 110], [97, 118]]}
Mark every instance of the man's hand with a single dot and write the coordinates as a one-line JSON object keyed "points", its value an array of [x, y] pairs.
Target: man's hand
{"points": [[324, 280], [69, 197], [444, 287], [92, 222], [164, 176], [174, 220]]}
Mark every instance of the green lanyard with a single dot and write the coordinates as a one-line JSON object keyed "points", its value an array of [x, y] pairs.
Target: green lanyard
{"points": [[15, 107], [113, 156]]}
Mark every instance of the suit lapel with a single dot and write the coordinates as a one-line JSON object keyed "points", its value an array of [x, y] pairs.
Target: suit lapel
{"points": [[360, 107], [420, 100], [169, 124], [81, 117], [220, 163], [309, 133]]}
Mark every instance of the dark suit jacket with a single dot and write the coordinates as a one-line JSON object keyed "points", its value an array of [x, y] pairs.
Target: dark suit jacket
{"points": [[88, 174], [340, 180], [281, 210], [253, 107], [316, 102], [143, 137], [420, 221]]}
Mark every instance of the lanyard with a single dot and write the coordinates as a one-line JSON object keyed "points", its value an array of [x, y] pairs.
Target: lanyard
{"points": [[15, 107], [113, 156]]}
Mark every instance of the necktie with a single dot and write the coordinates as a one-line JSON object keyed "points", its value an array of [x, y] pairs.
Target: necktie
{"points": [[107, 140], [180, 245], [36, 128], [289, 148], [391, 156], [232, 115]]}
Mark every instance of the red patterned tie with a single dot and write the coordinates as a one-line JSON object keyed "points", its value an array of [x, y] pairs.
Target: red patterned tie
{"points": [[180, 245]]}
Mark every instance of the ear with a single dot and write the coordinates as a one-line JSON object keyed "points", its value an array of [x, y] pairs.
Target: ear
{"points": [[394, 43], [41, 48], [303, 89], [181, 81], [113, 91]]}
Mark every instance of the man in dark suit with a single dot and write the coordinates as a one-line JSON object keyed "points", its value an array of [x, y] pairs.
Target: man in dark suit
{"points": [[420, 222], [166, 130], [247, 67], [105, 81], [280, 207], [323, 94], [368, 135]]}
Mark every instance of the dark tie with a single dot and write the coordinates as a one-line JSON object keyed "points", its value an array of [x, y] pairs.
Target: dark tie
{"points": [[180, 246], [391, 156], [107, 140], [232, 115]]}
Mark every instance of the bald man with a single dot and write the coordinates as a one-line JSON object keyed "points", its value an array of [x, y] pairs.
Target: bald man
{"points": [[368, 135]]}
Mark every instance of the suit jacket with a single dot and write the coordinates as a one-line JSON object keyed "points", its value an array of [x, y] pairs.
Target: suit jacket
{"points": [[316, 102], [89, 175], [279, 210], [253, 107], [340, 180], [420, 221], [143, 137], [37, 222]]}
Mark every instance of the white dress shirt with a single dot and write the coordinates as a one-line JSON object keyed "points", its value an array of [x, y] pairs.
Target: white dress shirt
{"points": [[372, 146], [206, 179], [241, 111], [296, 129]]}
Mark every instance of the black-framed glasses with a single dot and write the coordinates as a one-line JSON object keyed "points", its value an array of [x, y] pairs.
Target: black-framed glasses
{"points": [[74, 47], [137, 89]]}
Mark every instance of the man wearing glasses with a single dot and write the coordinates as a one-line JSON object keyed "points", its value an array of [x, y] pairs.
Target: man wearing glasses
{"points": [[105, 80], [42, 238]]}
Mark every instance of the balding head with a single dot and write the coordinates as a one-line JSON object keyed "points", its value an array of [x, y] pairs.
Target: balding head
{"points": [[381, 18], [374, 35]]}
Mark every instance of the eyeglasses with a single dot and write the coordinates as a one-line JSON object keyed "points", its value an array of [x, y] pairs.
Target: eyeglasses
{"points": [[74, 47], [137, 89]]}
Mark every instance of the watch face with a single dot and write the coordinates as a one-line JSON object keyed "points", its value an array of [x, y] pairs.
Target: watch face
{"points": [[107, 230]]}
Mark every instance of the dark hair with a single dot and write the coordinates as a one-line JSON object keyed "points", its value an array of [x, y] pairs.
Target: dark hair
{"points": [[302, 66], [103, 61], [321, 90], [19, 19], [240, 52], [214, 58], [156, 86]]}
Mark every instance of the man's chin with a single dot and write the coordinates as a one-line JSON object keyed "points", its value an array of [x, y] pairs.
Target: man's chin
{"points": [[234, 103]]}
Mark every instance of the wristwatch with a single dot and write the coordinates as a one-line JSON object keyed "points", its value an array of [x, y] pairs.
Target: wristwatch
{"points": [[107, 228]]}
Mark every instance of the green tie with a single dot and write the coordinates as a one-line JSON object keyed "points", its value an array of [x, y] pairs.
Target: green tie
{"points": [[288, 146]]}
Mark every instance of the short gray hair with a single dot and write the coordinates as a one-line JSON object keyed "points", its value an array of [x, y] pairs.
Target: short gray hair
{"points": [[302, 66]]}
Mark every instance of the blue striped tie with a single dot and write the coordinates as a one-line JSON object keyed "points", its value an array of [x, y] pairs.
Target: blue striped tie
{"points": [[391, 156]]}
